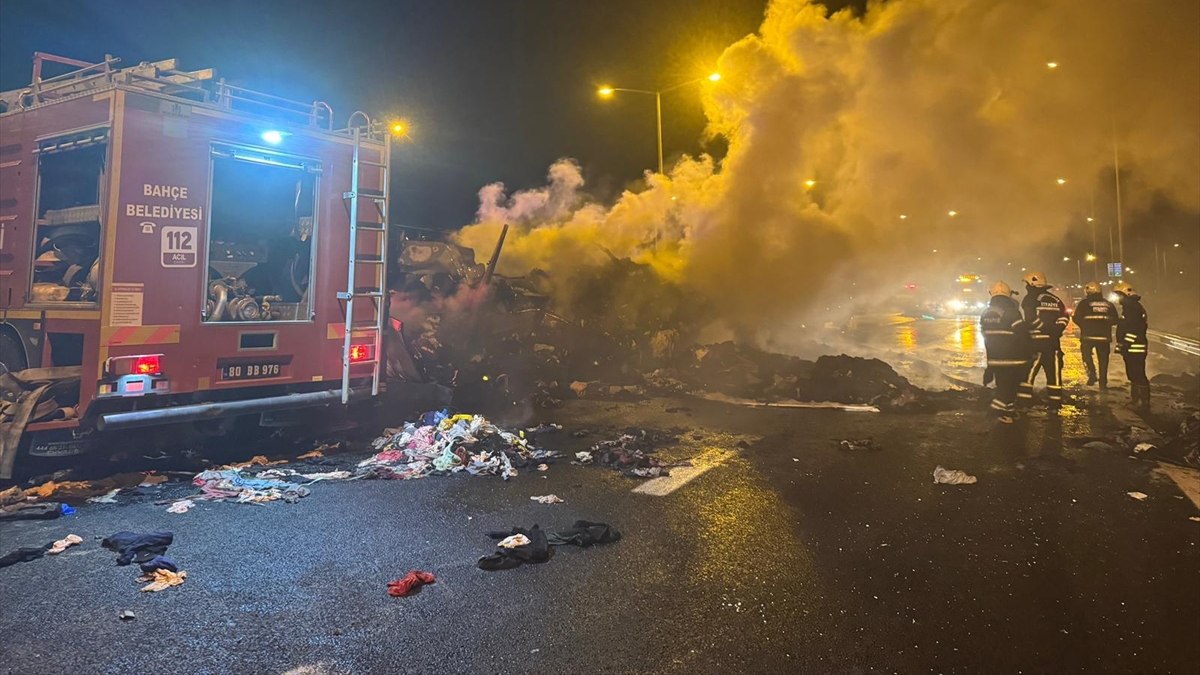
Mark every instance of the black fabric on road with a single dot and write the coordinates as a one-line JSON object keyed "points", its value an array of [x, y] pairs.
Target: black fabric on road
{"points": [[25, 554], [584, 534], [139, 548]]}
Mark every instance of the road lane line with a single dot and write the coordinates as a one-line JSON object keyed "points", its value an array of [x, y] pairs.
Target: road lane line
{"points": [[1188, 480], [682, 475]]}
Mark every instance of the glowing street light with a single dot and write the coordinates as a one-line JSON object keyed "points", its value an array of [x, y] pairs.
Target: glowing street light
{"points": [[1091, 257], [810, 183], [272, 136], [1066, 259], [399, 128], [952, 213], [607, 91], [903, 216], [1091, 219], [1061, 181], [1052, 64]]}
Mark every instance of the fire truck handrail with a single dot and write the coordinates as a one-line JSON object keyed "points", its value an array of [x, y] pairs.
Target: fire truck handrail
{"points": [[153, 77]]}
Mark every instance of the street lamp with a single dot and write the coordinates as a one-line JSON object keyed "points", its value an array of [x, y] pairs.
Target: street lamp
{"points": [[607, 91]]}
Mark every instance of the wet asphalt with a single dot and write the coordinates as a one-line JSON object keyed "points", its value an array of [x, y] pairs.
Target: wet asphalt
{"points": [[790, 555]]}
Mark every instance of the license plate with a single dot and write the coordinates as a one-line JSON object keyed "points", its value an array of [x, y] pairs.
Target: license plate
{"points": [[251, 371]]}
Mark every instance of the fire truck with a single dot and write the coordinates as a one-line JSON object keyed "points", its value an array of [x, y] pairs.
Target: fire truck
{"points": [[176, 250]]}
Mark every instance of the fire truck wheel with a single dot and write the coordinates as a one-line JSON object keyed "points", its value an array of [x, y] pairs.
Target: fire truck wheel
{"points": [[12, 356]]}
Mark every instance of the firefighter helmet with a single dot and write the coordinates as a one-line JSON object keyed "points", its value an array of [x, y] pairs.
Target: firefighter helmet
{"points": [[1092, 288], [1124, 288], [1035, 279], [1000, 288]]}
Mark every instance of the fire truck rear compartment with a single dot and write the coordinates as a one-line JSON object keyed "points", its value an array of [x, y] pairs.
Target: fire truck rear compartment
{"points": [[260, 241]]}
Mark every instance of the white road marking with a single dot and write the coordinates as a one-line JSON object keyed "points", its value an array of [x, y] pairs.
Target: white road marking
{"points": [[682, 475], [1188, 480]]}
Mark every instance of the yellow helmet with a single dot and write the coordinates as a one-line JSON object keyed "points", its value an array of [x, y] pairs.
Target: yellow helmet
{"points": [[1035, 279], [1000, 288], [1092, 288], [1124, 288]]}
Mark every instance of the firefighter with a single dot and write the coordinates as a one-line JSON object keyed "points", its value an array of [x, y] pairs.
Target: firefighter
{"points": [[1095, 317], [1132, 343], [1047, 319], [1006, 336]]}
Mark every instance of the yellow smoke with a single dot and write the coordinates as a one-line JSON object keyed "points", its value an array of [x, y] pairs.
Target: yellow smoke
{"points": [[837, 125]]}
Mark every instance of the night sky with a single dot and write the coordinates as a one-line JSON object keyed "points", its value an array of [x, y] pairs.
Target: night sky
{"points": [[496, 91]]}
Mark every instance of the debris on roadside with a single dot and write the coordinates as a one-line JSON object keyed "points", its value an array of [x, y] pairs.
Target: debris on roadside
{"points": [[127, 615], [584, 533], [548, 499], [243, 488], [181, 506], [855, 445], [584, 457], [24, 554], [106, 498], [409, 583], [952, 477], [632, 453], [1143, 447], [161, 580], [64, 543], [445, 444], [535, 550], [31, 511], [1140, 496], [543, 467], [134, 547], [513, 541]]}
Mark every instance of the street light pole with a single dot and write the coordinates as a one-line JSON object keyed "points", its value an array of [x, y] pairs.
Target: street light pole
{"points": [[658, 117]]}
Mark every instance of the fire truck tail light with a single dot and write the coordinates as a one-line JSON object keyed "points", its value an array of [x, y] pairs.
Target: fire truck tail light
{"points": [[147, 365], [360, 353], [142, 364]]}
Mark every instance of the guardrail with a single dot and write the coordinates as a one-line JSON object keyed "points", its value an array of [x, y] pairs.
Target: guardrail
{"points": [[1177, 342]]}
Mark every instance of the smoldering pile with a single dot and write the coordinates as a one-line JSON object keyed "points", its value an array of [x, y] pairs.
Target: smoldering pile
{"points": [[621, 332]]}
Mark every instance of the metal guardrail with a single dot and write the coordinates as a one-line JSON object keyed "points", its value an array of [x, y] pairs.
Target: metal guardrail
{"points": [[1177, 342]]}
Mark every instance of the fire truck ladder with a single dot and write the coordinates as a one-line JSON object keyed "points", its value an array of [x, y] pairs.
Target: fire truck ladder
{"points": [[376, 293]]}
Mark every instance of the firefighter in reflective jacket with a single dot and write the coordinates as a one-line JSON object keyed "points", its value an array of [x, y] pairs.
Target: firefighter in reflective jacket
{"points": [[1006, 337], [1132, 343], [1095, 317], [1047, 319]]}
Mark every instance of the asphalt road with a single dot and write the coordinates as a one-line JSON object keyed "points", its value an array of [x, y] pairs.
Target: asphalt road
{"points": [[786, 555]]}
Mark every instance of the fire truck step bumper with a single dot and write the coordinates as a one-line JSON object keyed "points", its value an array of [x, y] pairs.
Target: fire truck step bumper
{"points": [[211, 411]]}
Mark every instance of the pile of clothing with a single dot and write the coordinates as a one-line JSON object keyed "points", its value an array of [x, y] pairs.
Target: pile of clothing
{"points": [[632, 453], [440, 444], [239, 486]]}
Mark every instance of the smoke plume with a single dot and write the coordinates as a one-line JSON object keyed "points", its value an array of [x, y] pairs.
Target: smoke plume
{"points": [[852, 138]]}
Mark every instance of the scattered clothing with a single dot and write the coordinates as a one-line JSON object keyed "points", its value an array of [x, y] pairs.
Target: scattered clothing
{"points": [[181, 506], [30, 511], [409, 583], [536, 551], [314, 454], [514, 541], [64, 543], [952, 477], [543, 467], [584, 534], [109, 497], [25, 554], [444, 444], [139, 548], [243, 488], [159, 562], [548, 499], [1140, 496], [161, 579], [584, 457], [1143, 447], [632, 453]]}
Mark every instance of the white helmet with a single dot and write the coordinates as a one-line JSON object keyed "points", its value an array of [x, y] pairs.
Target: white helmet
{"points": [[1000, 288], [1091, 288], [1124, 288], [1035, 279]]}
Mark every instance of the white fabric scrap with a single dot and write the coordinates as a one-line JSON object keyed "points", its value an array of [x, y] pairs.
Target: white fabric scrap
{"points": [[548, 499], [181, 506], [1140, 496], [952, 477], [514, 541]]}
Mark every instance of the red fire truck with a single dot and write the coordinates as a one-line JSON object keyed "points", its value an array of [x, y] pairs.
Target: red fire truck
{"points": [[176, 250]]}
